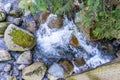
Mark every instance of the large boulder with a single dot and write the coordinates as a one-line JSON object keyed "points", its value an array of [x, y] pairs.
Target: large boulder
{"points": [[3, 26], [36, 71], [4, 55], [107, 72], [2, 15], [17, 39]]}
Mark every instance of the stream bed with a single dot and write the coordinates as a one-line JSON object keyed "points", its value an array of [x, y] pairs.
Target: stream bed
{"points": [[52, 45]]}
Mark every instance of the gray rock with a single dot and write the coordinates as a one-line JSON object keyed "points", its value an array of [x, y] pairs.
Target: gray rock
{"points": [[7, 67], [3, 26], [56, 71], [25, 58], [16, 21], [36, 71], [4, 55], [17, 39], [7, 7], [2, 15]]}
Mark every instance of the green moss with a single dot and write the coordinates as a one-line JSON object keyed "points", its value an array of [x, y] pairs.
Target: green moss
{"points": [[21, 38]]}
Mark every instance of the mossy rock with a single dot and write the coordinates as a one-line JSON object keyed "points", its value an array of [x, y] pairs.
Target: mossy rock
{"points": [[3, 26], [17, 39], [2, 15], [36, 71]]}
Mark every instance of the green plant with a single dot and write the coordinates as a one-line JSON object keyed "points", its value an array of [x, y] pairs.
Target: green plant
{"points": [[104, 16], [55, 6]]}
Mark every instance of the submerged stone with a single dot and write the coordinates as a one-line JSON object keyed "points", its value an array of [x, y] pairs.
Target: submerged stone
{"points": [[79, 62], [17, 39], [36, 71], [74, 41], [67, 66]]}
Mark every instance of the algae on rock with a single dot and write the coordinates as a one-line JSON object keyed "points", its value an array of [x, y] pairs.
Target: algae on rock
{"points": [[23, 40], [17, 39]]}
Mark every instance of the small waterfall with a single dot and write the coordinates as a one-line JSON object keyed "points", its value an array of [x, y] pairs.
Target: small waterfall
{"points": [[51, 41]]}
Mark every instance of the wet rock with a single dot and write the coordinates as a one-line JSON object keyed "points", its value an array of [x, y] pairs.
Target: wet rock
{"points": [[43, 16], [17, 39], [67, 66], [25, 58], [2, 15], [74, 41], [79, 62], [16, 21], [55, 22], [106, 72], [7, 7], [16, 13], [7, 68], [21, 67], [3, 26], [55, 71], [31, 26], [4, 55], [36, 71], [11, 78]]}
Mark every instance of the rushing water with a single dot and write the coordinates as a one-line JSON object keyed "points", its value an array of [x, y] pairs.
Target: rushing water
{"points": [[51, 42]]}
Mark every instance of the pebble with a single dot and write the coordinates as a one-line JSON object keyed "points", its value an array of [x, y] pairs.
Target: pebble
{"points": [[7, 68]]}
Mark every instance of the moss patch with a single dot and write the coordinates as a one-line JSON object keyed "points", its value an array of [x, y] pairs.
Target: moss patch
{"points": [[21, 38]]}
